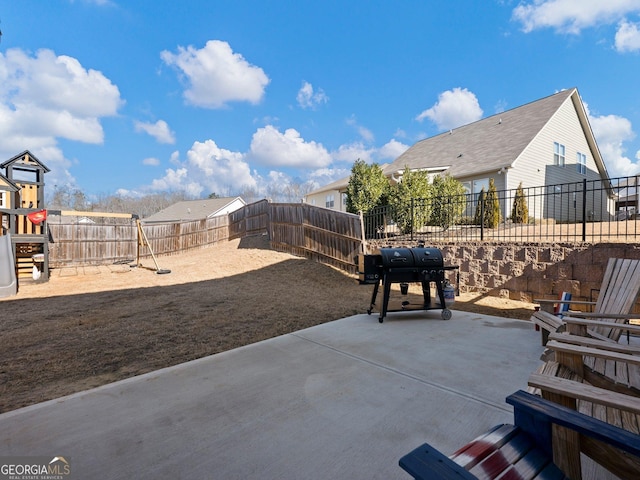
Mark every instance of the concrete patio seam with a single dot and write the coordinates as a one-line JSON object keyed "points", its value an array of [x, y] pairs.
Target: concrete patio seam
{"points": [[406, 375]]}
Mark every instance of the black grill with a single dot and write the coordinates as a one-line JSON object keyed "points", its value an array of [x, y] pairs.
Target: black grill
{"points": [[404, 266]]}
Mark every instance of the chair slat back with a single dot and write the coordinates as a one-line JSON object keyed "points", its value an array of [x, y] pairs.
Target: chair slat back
{"points": [[618, 294]]}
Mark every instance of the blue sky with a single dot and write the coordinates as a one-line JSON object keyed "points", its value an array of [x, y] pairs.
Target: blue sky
{"points": [[136, 97]]}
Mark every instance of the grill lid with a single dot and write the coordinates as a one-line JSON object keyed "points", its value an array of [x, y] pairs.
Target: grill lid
{"points": [[428, 257], [411, 257], [397, 257]]}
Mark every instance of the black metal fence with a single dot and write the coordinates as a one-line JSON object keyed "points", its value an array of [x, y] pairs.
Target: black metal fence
{"points": [[587, 211]]}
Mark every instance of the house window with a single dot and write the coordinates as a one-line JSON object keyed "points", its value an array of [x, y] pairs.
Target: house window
{"points": [[477, 187], [479, 184], [582, 163], [3, 202], [558, 154], [343, 197], [329, 201]]}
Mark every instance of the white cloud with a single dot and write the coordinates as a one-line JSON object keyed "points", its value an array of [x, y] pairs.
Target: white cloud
{"points": [[330, 174], [271, 147], [177, 179], [400, 133], [308, 98], [151, 162], [275, 177], [57, 163], [454, 108], [215, 75], [351, 152], [500, 106], [174, 159], [611, 131], [392, 150], [571, 16], [365, 133], [208, 169], [46, 97], [354, 151], [628, 37], [124, 192], [159, 130], [324, 176], [222, 169]]}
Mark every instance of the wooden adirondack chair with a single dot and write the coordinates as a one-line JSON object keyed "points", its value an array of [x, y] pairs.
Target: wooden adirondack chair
{"points": [[543, 444], [612, 408], [611, 365], [589, 366], [601, 379], [618, 295]]}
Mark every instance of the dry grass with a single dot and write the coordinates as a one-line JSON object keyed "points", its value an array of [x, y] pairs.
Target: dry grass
{"points": [[90, 327]]}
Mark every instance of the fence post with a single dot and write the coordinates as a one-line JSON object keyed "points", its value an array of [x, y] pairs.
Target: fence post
{"points": [[412, 219], [584, 209], [363, 237], [481, 217]]}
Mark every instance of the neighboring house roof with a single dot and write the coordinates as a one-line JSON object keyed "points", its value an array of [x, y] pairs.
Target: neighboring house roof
{"points": [[340, 184], [196, 209], [494, 142], [25, 158], [7, 185]]}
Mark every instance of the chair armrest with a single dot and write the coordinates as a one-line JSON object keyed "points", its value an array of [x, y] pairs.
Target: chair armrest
{"points": [[533, 413], [579, 340], [586, 392], [427, 463], [570, 319], [576, 302], [616, 316], [606, 352]]}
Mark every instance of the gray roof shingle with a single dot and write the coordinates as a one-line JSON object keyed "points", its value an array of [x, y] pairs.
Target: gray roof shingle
{"points": [[191, 210], [486, 145]]}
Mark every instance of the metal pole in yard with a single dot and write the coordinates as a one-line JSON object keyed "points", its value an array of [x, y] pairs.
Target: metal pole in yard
{"points": [[584, 209], [363, 237], [411, 219], [481, 217]]}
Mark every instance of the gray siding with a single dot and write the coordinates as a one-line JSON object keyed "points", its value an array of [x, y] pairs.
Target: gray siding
{"points": [[535, 166]]}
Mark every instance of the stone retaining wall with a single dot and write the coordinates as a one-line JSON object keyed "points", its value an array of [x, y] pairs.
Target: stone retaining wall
{"points": [[531, 270]]}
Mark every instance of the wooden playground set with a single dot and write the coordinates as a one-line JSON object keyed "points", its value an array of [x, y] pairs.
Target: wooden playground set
{"points": [[24, 234], [24, 252]]}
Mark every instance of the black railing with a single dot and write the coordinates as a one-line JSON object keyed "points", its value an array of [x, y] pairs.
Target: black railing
{"points": [[587, 211]]}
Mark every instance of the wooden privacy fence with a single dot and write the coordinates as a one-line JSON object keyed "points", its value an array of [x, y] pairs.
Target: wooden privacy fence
{"points": [[252, 219], [89, 244], [317, 233], [93, 243]]}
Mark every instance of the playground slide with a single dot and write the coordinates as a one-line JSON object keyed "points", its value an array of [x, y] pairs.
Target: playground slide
{"points": [[8, 283]]}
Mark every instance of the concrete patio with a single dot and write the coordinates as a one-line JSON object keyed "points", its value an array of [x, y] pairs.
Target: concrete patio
{"points": [[344, 399]]}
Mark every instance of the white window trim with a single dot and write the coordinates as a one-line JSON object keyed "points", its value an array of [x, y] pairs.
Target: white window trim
{"points": [[559, 154], [581, 163], [330, 201]]}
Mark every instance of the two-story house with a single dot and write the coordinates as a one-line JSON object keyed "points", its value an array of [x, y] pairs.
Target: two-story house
{"points": [[547, 142]]}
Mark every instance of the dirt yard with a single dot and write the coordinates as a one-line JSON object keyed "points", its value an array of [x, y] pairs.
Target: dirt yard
{"points": [[89, 326]]}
